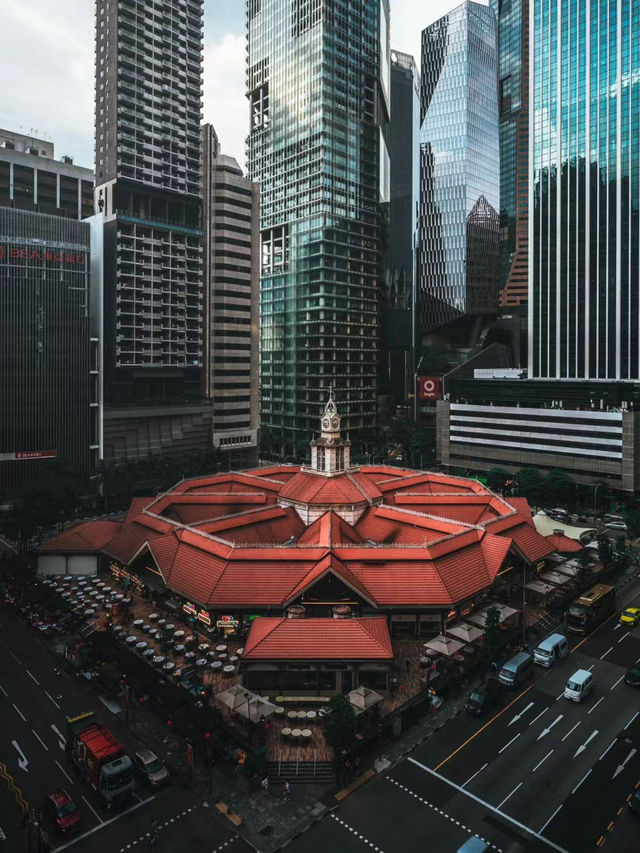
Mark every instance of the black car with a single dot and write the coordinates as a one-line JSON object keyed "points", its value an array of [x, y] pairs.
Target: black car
{"points": [[632, 678], [482, 698]]}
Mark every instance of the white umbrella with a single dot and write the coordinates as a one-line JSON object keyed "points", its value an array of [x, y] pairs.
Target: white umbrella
{"points": [[364, 698], [444, 645], [465, 632], [234, 696]]}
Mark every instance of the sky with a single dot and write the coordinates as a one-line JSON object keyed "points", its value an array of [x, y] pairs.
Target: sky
{"points": [[47, 67]]}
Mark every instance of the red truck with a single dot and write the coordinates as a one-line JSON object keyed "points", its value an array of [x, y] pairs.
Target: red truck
{"points": [[100, 758]]}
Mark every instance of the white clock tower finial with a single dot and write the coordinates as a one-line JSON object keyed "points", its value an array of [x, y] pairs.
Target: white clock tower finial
{"points": [[330, 454]]}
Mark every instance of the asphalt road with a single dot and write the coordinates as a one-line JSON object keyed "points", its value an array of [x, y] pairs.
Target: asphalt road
{"points": [[543, 773], [34, 704]]}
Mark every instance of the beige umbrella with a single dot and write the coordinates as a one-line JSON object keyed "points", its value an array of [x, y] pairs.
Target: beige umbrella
{"points": [[444, 645], [249, 705], [465, 632], [363, 698], [234, 697]]}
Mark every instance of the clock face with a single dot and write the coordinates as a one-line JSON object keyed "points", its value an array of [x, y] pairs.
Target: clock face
{"points": [[334, 423], [325, 423]]}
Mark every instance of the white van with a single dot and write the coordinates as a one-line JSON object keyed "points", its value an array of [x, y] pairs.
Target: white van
{"points": [[553, 649], [579, 685], [516, 670]]}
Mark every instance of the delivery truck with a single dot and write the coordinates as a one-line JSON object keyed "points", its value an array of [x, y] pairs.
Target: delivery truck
{"points": [[101, 759]]}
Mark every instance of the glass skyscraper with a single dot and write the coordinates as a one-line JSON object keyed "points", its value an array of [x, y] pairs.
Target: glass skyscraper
{"points": [[318, 89], [584, 309], [513, 103], [457, 254]]}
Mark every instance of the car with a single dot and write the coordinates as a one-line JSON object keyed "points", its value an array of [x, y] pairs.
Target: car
{"points": [[632, 678], [616, 525], [62, 812], [482, 698], [152, 768], [634, 802], [630, 616]]}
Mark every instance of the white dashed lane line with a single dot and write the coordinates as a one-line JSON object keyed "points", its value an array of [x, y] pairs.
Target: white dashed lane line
{"points": [[145, 837], [364, 840], [442, 813]]}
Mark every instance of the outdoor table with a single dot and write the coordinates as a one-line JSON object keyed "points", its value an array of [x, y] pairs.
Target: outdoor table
{"points": [[222, 656], [178, 634], [159, 659], [311, 715], [126, 601], [178, 648], [296, 732], [203, 647], [286, 731], [323, 712], [119, 596], [132, 639], [306, 733], [81, 578], [152, 617], [279, 710], [107, 588], [233, 659], [66, 595], [190, 655], [240, 652], [190, 639], [169, 665], [302, 715], [162, 622], [153, 632], [210, 654], [216, 665], [149, 653], [101, 584], [170, 627], [95, 580], [138, 622], [89, 612], [94, 593], [59, 589], [293, 715], [101, 598], [201, 662], [221, 648], [228, 669], [141, 645], [81, 582], [145, 627]]}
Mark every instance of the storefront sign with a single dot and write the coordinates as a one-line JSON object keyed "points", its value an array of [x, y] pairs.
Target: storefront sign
{"points": [[203, 616], [540, 566], [227, 622], [28, 454], [429, 387], [189, 608]]}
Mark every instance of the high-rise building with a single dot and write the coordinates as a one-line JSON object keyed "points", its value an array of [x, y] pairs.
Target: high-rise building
{"points": [[403, 146], [49, 367], [148, 102], [457, 252], [231, 229], [513, 103], [30, 178], [585, 191], [318, 87]]}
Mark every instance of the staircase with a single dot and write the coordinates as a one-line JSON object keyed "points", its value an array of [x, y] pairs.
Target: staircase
{"points": [[318, 772], [544, 625], [87, 630]]}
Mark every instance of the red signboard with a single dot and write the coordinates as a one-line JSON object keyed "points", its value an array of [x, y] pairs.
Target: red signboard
{"points": [[429, 387], [22, 253], [28, 454]]}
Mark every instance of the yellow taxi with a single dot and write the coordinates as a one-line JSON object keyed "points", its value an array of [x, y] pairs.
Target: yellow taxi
{"points": [[630, 616]]}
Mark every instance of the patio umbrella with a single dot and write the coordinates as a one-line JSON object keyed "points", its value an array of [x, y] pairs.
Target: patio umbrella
{"points": [[444, 645], [234, 697], [258, 707], [249, 705], [364, 698], [467, 633]]}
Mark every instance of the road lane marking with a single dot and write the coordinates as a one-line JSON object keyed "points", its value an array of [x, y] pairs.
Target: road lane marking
{"points": [[617, 682], [475, 774], [32, 677], [581, 781], [542, 828], [591, 667], [560, 696], [107, 822], [92, 808], [606, 653], [623, 636], [571, 730], [40, 739], [4, 692], [524, 711], [593, 707], [607, 749], [19, 711], [584, 745], [22, 758], [631, 720], [621, 767], [52, 699], [509, 744], [509, 795], [61, 740], [546, 730], [486, 725], [486, 805], [64, 771], [535, 719], [356, 833], [540, 763]]}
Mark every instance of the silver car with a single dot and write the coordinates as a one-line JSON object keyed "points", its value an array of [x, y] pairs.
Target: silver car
{"points": [[151, 767]]}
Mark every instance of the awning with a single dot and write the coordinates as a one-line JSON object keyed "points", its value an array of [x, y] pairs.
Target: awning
{"points": [[556, 578], [480, 616], [541, 588]]}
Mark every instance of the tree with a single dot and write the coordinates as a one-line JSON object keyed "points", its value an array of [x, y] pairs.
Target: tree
{"points": [[531, 485], [339, 724], [255, 764], [492, 638], [632, 517], [584, 562], [559, 486], [496, 478], [605, 550]]}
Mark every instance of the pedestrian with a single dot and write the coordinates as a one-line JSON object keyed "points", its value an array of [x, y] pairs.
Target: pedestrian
{"points": [[287, 790], [407, 664], [265, 784]]}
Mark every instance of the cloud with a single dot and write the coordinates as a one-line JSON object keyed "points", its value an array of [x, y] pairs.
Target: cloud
{"points": [[225, 105]]}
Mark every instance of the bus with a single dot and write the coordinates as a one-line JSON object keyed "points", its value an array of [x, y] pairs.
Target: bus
{"points": [[591, 608]]}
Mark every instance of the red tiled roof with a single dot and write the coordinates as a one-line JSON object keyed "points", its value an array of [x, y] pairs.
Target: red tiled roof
{"points": [[274, 524], [563, 544], [386, 525], [315, 489], [329, 529], [318, 639], [526, 539], [523, 509], [88, 537]]}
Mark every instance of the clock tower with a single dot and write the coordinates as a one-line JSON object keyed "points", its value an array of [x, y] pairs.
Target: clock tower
{"points": [[330, 453]]}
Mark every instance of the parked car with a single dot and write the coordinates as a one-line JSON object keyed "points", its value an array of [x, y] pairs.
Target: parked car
{"points": [[60, 810], [632, 678], [482, 698], [630, 616], [152, 768], [616, 525]]}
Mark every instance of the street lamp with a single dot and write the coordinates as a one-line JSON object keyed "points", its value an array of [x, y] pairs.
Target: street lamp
{"points": [[595, 492]]}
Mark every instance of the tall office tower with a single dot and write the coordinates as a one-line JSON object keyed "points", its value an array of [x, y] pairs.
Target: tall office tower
{"points": [[49, 379], [318, 86], [585, 191], [457, 254], [30, 179], [148, 101], [404, 147], [231, 228]]}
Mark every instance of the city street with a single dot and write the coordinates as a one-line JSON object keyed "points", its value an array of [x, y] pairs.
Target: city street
{"points": [[542, 774], [34, 704]]}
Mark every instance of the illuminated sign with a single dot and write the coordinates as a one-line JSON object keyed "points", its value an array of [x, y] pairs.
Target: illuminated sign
{"points": [[203, 616], [189, 608], [227, 622], [28, 454], [14, 253], [429, 387]]}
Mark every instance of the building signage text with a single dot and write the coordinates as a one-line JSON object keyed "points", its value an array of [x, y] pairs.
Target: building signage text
{"points": [[22, 253]]}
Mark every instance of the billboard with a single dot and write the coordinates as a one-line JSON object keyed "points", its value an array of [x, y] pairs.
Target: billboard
{"points": [[429, 387]]}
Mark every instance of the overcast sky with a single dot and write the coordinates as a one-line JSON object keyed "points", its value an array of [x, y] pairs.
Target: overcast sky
{"points": [[46, 66]]}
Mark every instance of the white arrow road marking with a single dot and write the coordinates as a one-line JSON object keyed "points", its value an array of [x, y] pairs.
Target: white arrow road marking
{"points": [[620, 767], [524, 711], [61, 742], [586, 743], [22, 760], [551, 725]]}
